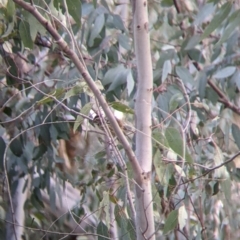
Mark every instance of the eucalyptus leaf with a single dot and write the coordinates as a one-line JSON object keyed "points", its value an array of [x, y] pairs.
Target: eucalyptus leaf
{"points": [[217, 19], [225, 72], [2, 151], [121, 107], [102, 231], [236, 134], [184, 74], [24, 31], [206, 11], [74, 8], [175, 142], [171, 222]]}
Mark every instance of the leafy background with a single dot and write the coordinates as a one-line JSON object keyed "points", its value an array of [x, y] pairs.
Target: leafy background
{"points": [[195, 51]]}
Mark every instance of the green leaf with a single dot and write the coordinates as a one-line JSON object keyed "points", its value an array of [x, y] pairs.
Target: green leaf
{"points": [[2, 150], [11, 11], [16, 147], [102, 231], [193, 41], [97, 28], [24, 31], [124, 41], [175, 141], [116, 76], [118, 23], [174, 101], [182, 217], [160, 139], [161, 168], [85, 110], [121, 107], [226, 187], [236, 134], [76, 90], [217, 20], [184, 74], [35, 27], [56, 93], [171, 222], [225, 72], [207, 10], [130, 83], [202, 83], [234, 22], [74, 9], [167, 69]]}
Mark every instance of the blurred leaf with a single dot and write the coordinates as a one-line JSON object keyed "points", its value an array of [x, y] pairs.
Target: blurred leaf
{"points": [[174, 101], [116, 76], [76, 90], [182, 217], [193, 41], [16, 147], [217, 19], [230, 29], [85, 110], [160, 139], [196, 55], [175, 142], [118, 23], [236, 134], [163, 170], [171, 222], [24, 31], [130, 83], [205, 11], [56, 93], [225, 72], [102, 231], [121, 107], [2, 151], [74, 9], [184, 75], [236, 78], [35, 27], [167, 69], [179, 170], [202, 83], [10, 13], [124, 41], [97, 28], [226, 187]]}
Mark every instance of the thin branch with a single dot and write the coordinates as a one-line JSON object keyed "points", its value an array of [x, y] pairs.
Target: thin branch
{"points": [[97, 93], [223, 98], [212, 169]]}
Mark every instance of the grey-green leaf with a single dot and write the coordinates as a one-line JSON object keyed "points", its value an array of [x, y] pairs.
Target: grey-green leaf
{"points": [[175, 141], [102, 231], [225, 72], [184, 74], [171, 222], [236, 134], [217, 20], [24, 30]]}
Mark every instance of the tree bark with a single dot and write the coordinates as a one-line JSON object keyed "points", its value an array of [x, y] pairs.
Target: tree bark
{"points": [[15, 219], [143, 106]]}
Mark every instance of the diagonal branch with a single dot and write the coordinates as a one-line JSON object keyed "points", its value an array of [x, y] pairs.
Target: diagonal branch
{"points": [[223, 98], [97, 93]]}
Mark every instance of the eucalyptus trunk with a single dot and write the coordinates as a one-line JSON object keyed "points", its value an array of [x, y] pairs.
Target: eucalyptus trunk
{"points": [[143, 106]]}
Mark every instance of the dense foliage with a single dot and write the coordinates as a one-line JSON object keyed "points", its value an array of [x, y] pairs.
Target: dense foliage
{"points": [[195, 114]]}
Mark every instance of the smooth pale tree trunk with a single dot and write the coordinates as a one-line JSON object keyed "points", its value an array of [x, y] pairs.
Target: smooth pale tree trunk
{"points": [[143, 106], [16, 215]]}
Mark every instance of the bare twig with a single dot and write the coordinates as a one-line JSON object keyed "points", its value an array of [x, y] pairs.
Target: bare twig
{"points": [[75, 59]]}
